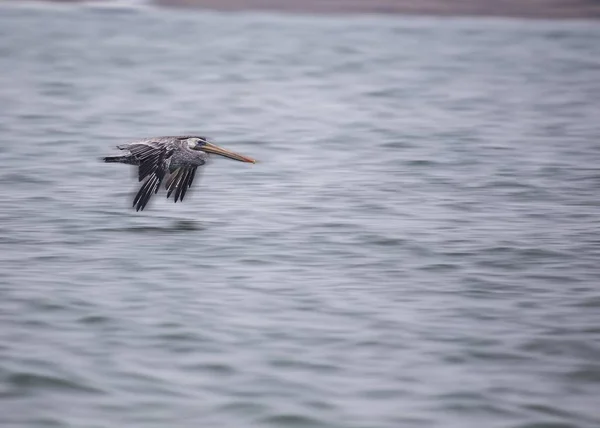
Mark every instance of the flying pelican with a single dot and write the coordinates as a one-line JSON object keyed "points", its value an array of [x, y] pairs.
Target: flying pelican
{"points": [[176, 158]]}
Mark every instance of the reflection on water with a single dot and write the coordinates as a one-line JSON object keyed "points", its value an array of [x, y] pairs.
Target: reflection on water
{"points": [[176, 226], [418, 246]]}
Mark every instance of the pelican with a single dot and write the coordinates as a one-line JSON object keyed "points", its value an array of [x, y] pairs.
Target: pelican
{"points": [[176, 158]]}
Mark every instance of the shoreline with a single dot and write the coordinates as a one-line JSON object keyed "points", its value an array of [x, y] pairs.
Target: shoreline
{"points": [[532, 9]]}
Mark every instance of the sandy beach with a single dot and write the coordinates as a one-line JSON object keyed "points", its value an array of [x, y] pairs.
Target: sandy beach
{"points": [[516, 8], [541, 9]]}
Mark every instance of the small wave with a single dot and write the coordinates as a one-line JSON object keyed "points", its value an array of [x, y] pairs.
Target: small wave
{"points": [[94, 319], [215, 368], [380, 240], [587, 374], [307, 365], [243, 407], [255, 262], [397, 145], [440, 267], [25, 380], [421, 162], [15, 177], [44, 305], [505, 185], [292, 420]]}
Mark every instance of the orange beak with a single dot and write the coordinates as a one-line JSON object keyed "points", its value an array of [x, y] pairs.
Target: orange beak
{"points": [[211, 148]]}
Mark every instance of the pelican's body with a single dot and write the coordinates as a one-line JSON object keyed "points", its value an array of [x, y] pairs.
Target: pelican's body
{"points": [[175, 158]]}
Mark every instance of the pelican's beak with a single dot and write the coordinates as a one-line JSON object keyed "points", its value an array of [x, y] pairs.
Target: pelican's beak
{"points": [[211, 148]]}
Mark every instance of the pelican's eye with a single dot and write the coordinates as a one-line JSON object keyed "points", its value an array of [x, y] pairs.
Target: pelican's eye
{"points": [[194, 143]]}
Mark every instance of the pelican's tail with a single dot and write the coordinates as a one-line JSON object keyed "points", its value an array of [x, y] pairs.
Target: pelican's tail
{"points": [[128, 159], [120, 159]]}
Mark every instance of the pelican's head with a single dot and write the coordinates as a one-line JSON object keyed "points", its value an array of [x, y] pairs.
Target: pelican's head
{"points": [[202, 144]]}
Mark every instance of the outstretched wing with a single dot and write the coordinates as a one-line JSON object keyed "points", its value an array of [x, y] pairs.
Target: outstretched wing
{"points": [[151, 155], [180, 181], [153, 165], [160, 157], [150, 187]]}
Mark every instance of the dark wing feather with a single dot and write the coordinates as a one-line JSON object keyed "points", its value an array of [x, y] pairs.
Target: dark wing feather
{"points": [[180, 181], [182, 185], [149, 164], [151, 156], [149, 187], [170, 185], [185, 185], [141, 150], [192, 175], [154, 169]]}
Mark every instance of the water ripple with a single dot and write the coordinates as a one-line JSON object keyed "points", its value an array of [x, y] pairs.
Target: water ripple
{"points": [[417, 247]]}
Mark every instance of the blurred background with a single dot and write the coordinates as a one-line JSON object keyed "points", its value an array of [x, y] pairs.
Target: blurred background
{"points": [[419, 245]]}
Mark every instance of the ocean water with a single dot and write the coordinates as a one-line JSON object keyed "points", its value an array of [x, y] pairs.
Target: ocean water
{"points": [[419, 245]]}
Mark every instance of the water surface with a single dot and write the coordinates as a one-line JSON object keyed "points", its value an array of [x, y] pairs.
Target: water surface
{"points": [[418, 247]]}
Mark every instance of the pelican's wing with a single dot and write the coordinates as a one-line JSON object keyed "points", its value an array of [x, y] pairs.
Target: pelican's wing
{"points": [[150, 186], [180, 181], [151, 156]]}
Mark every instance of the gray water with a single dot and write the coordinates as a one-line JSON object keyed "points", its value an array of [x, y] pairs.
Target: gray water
{"points": [[419, 245]]}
